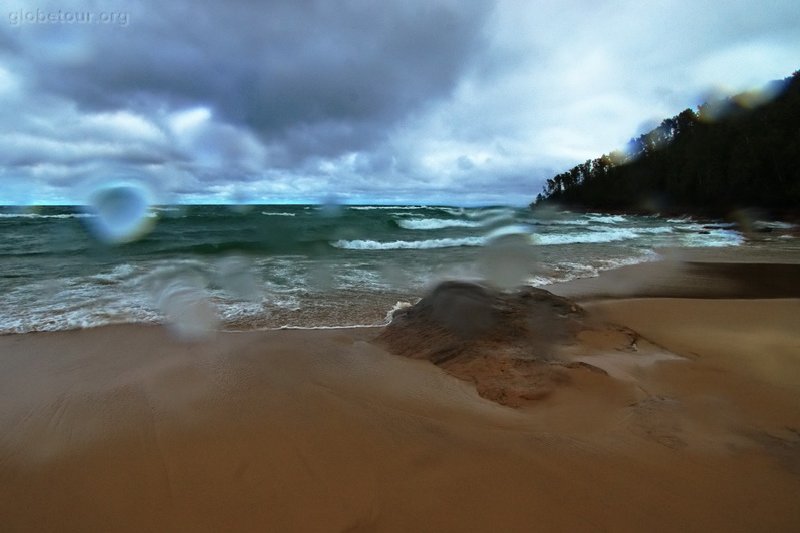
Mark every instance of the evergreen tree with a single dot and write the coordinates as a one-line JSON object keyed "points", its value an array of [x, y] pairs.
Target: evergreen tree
{"points": [[728, 154]]}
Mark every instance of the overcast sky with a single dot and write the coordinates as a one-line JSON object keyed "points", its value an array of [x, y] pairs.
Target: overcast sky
{"points": [[458, 102]]}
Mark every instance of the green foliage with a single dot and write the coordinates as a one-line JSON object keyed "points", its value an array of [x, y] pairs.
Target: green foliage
{"points": [[726, 155]]}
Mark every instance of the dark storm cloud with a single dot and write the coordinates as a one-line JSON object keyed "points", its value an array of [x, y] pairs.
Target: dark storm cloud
{"points": [[411, 101], [316, 77]]}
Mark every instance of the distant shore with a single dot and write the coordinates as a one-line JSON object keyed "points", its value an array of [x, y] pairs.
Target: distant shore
{"points": [[123, 428]]}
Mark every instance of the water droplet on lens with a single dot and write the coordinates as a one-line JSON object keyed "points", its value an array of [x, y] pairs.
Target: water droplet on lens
{"points": [[190, 314], [508, 261], [331, 206], [122, 213], [321, 276], [236, 277]]}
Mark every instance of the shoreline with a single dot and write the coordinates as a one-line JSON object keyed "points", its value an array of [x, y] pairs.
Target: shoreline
{"points": [[680, 273], [270, 280], [694, 426]]}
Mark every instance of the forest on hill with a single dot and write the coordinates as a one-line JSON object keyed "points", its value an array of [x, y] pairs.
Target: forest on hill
{"points": [[732, 153]]}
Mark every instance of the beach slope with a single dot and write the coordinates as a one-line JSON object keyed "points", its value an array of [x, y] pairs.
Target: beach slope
{"points": [[695, 427]]}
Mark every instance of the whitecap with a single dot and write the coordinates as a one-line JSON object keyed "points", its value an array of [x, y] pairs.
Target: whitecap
{"points": [[37, 215], [435, 223], [607, 219], [655, 230], [714, 238], [584, 237], [379, 207], [366, 244]]}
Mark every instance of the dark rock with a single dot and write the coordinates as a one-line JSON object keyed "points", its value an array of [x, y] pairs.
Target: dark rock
{"points": [[459, 318], [505, 343]]}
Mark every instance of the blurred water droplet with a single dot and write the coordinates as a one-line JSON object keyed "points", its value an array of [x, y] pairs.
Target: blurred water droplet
{"points": [[241, 209], [190, 314], [395, 277], [321, 276], [179, 292], [236, 277], [241, 201], [508, 260], [331, 206], [747, 218], [122, 213], [465, 309]]}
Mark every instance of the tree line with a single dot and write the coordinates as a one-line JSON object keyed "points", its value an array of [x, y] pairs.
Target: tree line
{"points": [[731, 153]]}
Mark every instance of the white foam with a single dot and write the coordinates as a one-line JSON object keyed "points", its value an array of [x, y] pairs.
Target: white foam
{"points": [[118, 273], [241, 311], [584, 237], [570, 271], [495, 220], [644, 257], [714, 238], [354, 326], [491, 212], [607, 219], [436, 223], [377, 207], [73, 304], [457, 211], [37, 215], [655, 230], [277, 214], [573, 222], [540, 281], [396, 307], [366, 244], [511, 229], [690, 227]]}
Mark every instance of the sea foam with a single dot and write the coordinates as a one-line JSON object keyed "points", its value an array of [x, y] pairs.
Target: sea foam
{"points": [[366, 244], [37, 215], [586, 237], [436, 223]]}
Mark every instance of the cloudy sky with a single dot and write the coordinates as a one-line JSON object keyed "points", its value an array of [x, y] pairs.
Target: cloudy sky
{"points": [[411, 101]]}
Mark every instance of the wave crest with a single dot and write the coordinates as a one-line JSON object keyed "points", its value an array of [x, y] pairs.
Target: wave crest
{"points": [[37, 215], [365, 244], [435, 223], [587, 237]]}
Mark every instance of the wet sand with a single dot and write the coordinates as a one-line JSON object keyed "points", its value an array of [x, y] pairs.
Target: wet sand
{"points": [[695, 427]]}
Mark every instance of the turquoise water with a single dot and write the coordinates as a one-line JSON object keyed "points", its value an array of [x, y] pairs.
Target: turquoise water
{"points": [[273, 266]]}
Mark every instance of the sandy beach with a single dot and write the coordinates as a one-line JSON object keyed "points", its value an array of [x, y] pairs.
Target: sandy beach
{"points": [[420, 266], [685, 417]]}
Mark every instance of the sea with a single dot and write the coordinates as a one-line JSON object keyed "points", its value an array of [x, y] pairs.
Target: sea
{"points": [[201, 268]]}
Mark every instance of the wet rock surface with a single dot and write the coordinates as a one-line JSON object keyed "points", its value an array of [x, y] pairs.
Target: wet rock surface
{"points": [[508, 344]]}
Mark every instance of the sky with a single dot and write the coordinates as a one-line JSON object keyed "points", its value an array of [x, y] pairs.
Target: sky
{"points": [[416, 101]]}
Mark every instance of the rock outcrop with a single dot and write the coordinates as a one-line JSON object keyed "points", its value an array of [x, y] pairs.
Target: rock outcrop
{"points": [[508, 344]]}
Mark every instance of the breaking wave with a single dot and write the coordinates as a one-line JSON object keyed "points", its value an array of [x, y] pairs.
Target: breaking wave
{"points": [[366, 244], [436, 223]]}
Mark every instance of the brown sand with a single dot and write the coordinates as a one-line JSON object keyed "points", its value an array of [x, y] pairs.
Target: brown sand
{"points": [[124, 429]]}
